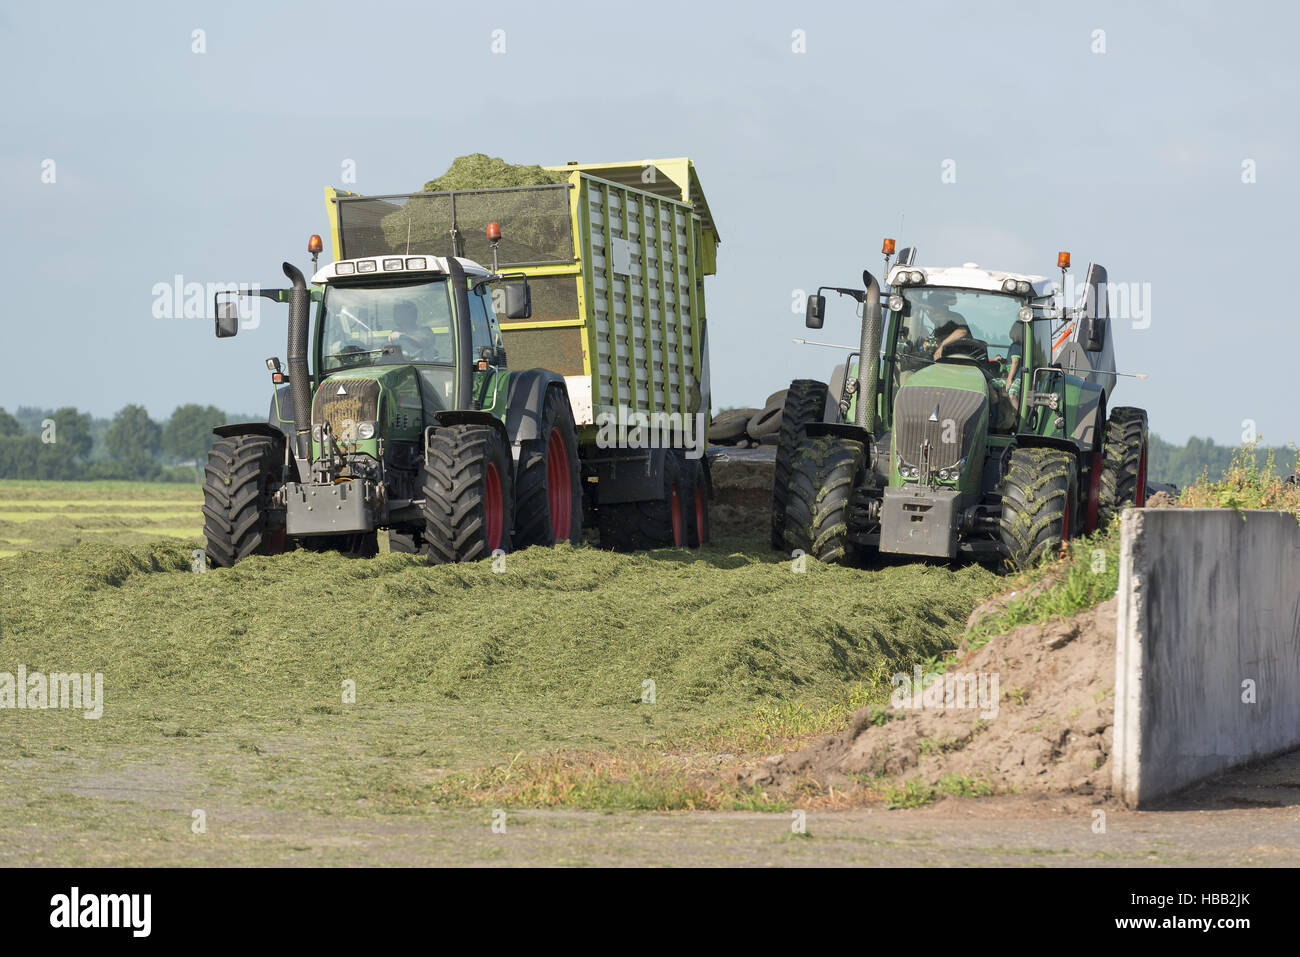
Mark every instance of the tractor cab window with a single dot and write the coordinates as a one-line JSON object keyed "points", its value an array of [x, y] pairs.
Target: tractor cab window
{"points": [[396, 323], [939, 324], [956, 323], [481, 320]]}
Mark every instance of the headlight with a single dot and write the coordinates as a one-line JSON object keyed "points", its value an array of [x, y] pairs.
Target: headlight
{"points": [[1026, 313], [366, 430], [915, 276], [943, 475], [367, 266], [1022, 287], [392, 264], [345, 269], [316, 433], [1008, 285], [419, 263], [895, 303]]}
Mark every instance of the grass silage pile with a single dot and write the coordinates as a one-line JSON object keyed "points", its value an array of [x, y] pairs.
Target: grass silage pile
{"points": [[532, 226]]}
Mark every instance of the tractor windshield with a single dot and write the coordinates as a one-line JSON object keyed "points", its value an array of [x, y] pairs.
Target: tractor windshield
{"points": [[938, 322], [394, 323]]}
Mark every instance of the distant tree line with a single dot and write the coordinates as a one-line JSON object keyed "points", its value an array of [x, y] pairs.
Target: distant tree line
{"points": [[1182, 465], [69, 444]]}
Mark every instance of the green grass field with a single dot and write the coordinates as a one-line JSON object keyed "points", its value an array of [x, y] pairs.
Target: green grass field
{"points": [[224, 690], [37, 516]]}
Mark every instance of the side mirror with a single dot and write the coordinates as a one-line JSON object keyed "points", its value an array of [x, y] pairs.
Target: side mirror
{"points": [[519, 300], [1092, 334], [227, 311], [816, 313]]}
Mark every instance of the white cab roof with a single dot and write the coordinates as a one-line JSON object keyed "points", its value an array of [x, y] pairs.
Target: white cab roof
{"points": [[394, 265], [971, 276]]}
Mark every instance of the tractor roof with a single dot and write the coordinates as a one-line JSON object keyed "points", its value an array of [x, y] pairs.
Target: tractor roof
{"points": [[393, 265], [971, 276]]}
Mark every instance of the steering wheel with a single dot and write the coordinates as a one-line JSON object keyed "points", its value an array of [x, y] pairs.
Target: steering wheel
{"points": [[966, 348]]}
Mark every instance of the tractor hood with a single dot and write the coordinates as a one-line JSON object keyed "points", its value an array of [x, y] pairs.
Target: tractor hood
{"points": [[389, 397], [940, 419]]}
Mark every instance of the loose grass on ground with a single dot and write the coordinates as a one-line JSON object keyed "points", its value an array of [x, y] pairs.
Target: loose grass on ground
{"points": [[225, 689]]}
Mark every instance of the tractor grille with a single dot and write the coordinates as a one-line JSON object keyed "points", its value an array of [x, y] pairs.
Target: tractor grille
{"points": [[924, 413], [345, 404]]}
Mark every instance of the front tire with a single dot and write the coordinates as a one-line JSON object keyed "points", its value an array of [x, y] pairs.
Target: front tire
{"points": [[805, 402], [826, 472], [1040, 496], [239, 481], [468, 494]]}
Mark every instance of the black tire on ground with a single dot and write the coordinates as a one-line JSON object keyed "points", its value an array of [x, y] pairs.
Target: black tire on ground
{"points": [[658, 523], [767, 422], [1040, 504], [1123, 463], [730, 425], [825, 472], [805, 402], [548, 487], [696, 484], [406, 543], [242, 474], [468, 494]]}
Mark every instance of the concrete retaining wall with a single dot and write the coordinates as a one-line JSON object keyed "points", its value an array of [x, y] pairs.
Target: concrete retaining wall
{"points": [[1207, 662]]}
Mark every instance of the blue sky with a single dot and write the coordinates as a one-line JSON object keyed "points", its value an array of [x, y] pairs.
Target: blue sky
{"points": [[212, 166]]}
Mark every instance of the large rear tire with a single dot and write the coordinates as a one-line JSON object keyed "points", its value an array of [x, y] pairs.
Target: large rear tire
{"points": [[468, 494], [1124, 463], [239, 481], [657, 523], [805, 402], [1040, 504], [548, 493], [825, 473]]}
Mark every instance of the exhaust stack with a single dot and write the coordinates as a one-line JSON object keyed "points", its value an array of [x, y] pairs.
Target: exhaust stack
{"points": [[869, 356], [299, 378]]}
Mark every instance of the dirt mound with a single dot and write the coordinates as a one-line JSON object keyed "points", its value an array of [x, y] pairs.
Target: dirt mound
{"points": [[1032, 710]]}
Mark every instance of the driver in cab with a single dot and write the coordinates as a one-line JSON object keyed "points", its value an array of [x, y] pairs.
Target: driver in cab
{"points": [[949, 326], [414, 341]]}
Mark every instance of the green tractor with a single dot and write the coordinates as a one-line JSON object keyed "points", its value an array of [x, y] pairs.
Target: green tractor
{"points": [[971, 421], [396, 411]]}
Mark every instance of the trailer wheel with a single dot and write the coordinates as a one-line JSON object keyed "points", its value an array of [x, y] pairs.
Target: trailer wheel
{"points": [[1040, 501], [697, 533], [1124, 463], [548, 492], [658, 523], [825, 473], [468, 494], [242, 475], [805, 401]]}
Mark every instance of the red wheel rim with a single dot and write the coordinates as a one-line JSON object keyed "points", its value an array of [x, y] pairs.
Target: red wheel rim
{"points": [[701, 514], [679, 534], [559, 491], [494, 511], [1140, 493], [1094, 494]]}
